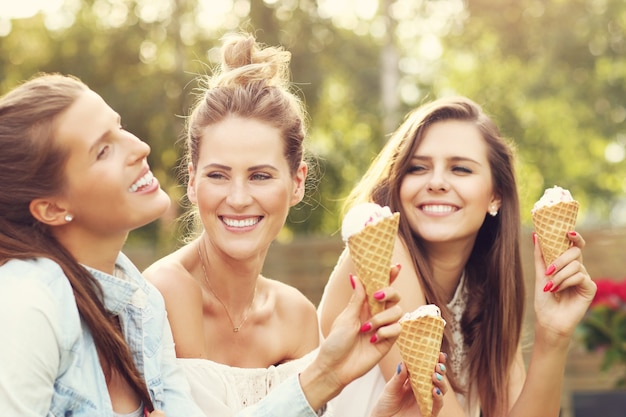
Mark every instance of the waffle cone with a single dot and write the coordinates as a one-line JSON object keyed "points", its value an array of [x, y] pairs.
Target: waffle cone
{"points": [[420, 343], [551, 226], [371, 251]]}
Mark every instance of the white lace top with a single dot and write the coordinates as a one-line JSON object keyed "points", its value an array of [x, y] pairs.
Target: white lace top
{"points": [[222, 390]]}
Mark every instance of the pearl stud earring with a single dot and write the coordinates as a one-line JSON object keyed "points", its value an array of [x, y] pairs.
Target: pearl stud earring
{"points": [[69, 218]]}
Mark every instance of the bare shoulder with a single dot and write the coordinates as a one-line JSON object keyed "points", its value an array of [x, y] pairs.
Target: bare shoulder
{"points": [[171, 276], [290, 300]]}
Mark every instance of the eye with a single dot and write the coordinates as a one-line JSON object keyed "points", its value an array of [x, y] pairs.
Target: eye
{"points": [[103, 152], [260, 176], [416, 169], [459, 169], [216, 175]]}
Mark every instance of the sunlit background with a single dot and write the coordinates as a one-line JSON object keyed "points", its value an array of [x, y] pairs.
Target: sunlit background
{"points": [[552, 73]]}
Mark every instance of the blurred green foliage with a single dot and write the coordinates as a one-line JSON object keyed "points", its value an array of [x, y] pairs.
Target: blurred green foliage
{"points": [[552, 73]]}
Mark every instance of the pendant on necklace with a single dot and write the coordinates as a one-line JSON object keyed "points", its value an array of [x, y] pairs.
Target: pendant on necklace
{"points": [[236, 329]]}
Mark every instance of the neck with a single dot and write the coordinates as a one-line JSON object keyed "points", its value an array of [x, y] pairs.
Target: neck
{"points": [[447, 266], [98, 252]]}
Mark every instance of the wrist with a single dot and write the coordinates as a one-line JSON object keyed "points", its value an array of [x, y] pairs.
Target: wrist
{"points": [[318, 385]]}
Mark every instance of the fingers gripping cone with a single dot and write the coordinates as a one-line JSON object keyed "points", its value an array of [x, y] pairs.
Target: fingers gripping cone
{"points": [[371, 250], [420, 343], [551, 225]]}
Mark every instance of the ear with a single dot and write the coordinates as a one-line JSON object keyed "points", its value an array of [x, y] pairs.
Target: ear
{"points": [[495, 202], [191, 190], [47, 211], [299, 181]]}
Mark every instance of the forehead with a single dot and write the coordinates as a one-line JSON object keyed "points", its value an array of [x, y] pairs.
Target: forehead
{"points": [[454, 138], [237, 137], [85, 121]]}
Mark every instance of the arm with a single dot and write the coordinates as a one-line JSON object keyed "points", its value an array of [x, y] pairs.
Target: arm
{"points": [[29, 352], [183, 302], [177, 394], [556, 315]]}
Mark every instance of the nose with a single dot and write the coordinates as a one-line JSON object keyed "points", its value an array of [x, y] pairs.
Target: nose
{"points": [[438, 182], [239, 195], [138, 149]]}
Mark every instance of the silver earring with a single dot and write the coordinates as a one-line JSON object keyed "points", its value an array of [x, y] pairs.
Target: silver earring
{"points": [[69, 218], [493, 211]]}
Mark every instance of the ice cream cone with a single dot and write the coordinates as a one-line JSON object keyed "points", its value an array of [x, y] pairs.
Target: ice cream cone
{"points": [[551, 226], [371, 250], [420, 343]]}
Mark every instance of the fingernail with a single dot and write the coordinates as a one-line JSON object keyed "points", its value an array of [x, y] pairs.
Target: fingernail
{"points": [[352, 281], [550, 270], [439, 377], [445, 355], [438, 391], [555, 289], [379, 295], [399, 368], [442, 367], [548, 286], [374, 338], [366, 327], [399, 267], [572, 233], [534, 238]]}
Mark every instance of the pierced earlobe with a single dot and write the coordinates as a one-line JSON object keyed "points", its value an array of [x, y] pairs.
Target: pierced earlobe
{"points": [[68, 218], [493, 211]]}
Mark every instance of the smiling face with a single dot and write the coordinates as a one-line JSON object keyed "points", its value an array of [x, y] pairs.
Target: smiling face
{"points": [[243, 186], [109, 188], [448, 188]]}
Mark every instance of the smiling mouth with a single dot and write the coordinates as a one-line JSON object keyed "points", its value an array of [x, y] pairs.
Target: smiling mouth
{"points": [[142, 182], [438, 208], [251, 221]]}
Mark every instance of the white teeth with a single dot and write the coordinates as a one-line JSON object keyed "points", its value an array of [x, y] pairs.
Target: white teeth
{"points": [[438, 209], [143, 181], [241, 223]]}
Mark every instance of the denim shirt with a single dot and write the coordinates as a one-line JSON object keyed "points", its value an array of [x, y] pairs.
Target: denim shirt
{"points": [[49, 365]]}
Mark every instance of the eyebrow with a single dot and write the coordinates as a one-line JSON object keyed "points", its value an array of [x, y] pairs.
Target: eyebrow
{"points": [[452, 159], [251, 169]]}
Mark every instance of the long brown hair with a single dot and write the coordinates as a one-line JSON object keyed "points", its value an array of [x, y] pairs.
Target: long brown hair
{"points": [[492, 322], [32, 166]]}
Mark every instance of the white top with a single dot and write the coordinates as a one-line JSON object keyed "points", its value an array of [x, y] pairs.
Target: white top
{"points": [[222, 390], [360, 396]]}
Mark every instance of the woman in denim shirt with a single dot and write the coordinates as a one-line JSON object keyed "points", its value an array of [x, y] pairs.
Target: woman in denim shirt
{"points": [[83, 333]]}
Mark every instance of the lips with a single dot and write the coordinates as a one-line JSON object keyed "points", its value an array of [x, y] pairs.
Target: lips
{"points": [[247, 222], [142, 182], [438, 208]]}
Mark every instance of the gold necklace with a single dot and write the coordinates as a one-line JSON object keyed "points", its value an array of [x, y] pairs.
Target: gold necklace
{"points": [[206, 278]]}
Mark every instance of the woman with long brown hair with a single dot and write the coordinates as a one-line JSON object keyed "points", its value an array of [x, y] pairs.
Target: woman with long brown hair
{"points": [[450, 174]]}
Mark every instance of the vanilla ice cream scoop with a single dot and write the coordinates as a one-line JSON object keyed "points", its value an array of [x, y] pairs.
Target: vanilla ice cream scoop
{"points": [[362, 215], [427, 310], [552, 196]]}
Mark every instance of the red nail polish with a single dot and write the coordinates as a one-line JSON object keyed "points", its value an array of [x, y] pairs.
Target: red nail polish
{"points": [[352, 281], [399, 267], [555, 289], [374, 338], [379, 295], [550, 270], [572, 233], [534, 238], [548, 286], [366, 327]]}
